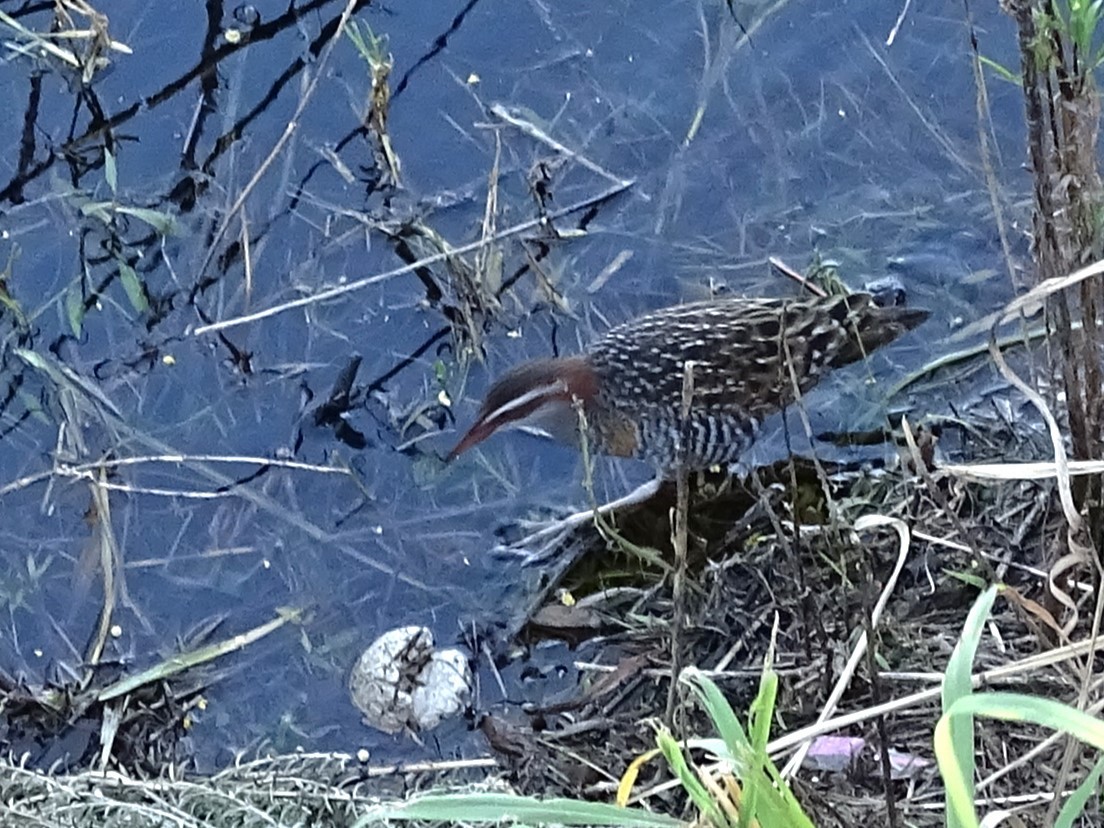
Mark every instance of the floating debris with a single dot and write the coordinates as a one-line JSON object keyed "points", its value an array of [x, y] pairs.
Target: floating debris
{"points": [[400, 682]]}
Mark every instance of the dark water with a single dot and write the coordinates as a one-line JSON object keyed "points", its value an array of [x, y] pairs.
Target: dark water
{"points": [[815, 136]]}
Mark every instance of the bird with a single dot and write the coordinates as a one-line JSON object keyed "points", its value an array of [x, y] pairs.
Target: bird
{"points": [[751, 357]]}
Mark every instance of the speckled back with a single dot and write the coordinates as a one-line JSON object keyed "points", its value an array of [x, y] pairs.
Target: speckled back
{"points": [[752, 358]]}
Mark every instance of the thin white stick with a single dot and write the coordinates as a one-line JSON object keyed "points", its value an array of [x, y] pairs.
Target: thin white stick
{"points": [[829, 709]]}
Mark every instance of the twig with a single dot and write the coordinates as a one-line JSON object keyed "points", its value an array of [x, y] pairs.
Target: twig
{"points": [[790, 273], [897, 25], [88, 470], [679, 540], [1061, 461], [870, 625], [183, 661], [941, 138], [293, 124], [829, 709], [533, 131], [1005, 472], [359, 284], [984, 146], [940, 496]]}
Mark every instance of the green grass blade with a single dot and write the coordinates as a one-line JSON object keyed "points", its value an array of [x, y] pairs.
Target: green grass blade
{"points": [[160, 221], [1010, 707], [719, 711], [1075, 805], [1001, 72], [135, 292], [766, 796], [693, 786], [957, 785], [482, 807], [958, 684], [110, 171], [760, 716], [74, 308], [762, 711], [732, 734]]}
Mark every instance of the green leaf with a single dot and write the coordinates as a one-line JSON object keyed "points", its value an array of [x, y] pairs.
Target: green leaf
{"points": [[693, 786], [723, 717], [101, 210], [1002, 72], [133, 286], [1011, 707], [74, 308], [1077, 800], [162, 222], [958, 684], [106, 211], [110, 172], [500, 807], [968, 578], [767, 797]]}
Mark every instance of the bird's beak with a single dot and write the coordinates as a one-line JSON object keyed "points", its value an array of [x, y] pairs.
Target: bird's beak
{"points": [[476, 434]]}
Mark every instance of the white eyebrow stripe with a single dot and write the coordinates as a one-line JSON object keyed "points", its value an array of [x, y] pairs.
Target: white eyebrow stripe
{"points": [[557, 387]]}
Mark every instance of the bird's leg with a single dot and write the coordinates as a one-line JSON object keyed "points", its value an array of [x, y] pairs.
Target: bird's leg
{"points": [[550, 538], [542, 544]]}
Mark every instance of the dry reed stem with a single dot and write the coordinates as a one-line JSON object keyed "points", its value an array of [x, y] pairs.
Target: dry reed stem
{"points": [[537, 134], [679, 540], [992, 185], [89, 471], [1012, 471], [360, 284], [292, 126], [110, 564]]}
